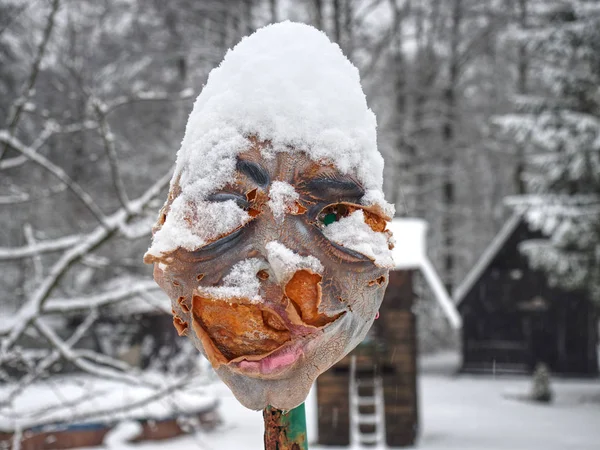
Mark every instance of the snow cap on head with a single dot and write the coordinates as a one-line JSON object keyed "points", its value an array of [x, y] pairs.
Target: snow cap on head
{"points": [[290, 85]]}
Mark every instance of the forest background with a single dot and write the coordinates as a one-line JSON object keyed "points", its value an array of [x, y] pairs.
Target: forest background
{"points": [[479, 103]]}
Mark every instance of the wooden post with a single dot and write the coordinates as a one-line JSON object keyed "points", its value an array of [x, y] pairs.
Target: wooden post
{"points": [[285, 430]]}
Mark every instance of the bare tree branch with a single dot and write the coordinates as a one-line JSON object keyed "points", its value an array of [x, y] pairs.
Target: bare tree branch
{"points": [[70, 355], [137, 230], [111, 152], [37, 260], [23, 197], [148, 96], [162, 392], [52, 358], [47, 314], [50, 129], [17, 108], [149, 296], [12, 253], [102, 359], [62, 305], [55, 170], [9, 20], [33, 307]]}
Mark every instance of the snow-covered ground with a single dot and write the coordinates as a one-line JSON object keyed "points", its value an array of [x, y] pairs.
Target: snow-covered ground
{"points": [[480, 413], [457, 413], [83, 399]]}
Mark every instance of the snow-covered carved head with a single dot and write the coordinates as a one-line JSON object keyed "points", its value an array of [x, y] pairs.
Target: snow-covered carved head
{"points": [[272, 243]]}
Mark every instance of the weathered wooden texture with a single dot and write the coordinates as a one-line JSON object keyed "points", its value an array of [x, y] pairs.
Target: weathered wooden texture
{"points": [[93, 435], [333, 395], [396, 328], [513, 318], [389, 352], [285, 430]]}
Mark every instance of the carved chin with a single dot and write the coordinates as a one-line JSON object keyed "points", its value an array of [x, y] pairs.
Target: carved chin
{"points": [[257, 394], [289, 387]]}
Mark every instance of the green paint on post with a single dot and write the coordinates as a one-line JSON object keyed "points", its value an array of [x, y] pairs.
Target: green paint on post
{"points": [[285, 430], [296, 422]]}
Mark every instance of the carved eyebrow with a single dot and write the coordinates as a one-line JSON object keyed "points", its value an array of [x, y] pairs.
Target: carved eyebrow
{"points": [[336, 184], [253, 171]]}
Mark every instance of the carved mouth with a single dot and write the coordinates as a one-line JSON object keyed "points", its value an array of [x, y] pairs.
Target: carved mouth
{"points": [[261, 338], [238, 328]]}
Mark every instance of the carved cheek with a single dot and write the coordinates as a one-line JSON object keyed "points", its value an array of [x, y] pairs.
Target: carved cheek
{"points": [[164, 277]]}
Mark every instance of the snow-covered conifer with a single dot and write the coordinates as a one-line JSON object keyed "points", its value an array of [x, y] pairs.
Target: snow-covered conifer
{"points": [[557, 123]]}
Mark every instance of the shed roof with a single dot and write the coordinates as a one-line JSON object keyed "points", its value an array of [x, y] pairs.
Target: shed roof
{"points": [[410, 235], [486, 258], [410, 253]]}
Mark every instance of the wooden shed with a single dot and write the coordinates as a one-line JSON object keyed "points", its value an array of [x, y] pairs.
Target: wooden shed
{"points": [[71, 409], [370, 396], [513, 318]]}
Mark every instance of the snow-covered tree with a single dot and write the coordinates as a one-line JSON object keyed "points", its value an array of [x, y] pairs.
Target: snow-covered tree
{"points": [[93, 104], [557, 123]]}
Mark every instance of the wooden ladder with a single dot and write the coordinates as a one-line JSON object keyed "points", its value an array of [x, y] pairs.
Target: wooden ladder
{"points": [[366, 391]]}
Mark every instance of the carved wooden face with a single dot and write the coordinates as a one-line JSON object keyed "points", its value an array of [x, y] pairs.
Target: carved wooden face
{"points": [[274, 303]]}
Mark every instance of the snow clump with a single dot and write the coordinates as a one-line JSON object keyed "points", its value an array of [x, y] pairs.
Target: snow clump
{"points": [[353, 233], [240, 283], [193, 225], [285, 262], [282, 197]]}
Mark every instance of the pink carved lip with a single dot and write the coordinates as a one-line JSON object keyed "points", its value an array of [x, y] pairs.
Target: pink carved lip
{"points": [[277, 363], [273, 365]]}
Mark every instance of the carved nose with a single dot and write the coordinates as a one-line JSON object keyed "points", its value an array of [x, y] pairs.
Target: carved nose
{"points": [[285, 261], [267, 229], [300, 278]]}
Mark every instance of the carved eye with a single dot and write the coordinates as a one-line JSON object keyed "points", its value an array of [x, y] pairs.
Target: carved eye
{"points": [[241, 201], [332, 213], [248, 203], [337, 211]]}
